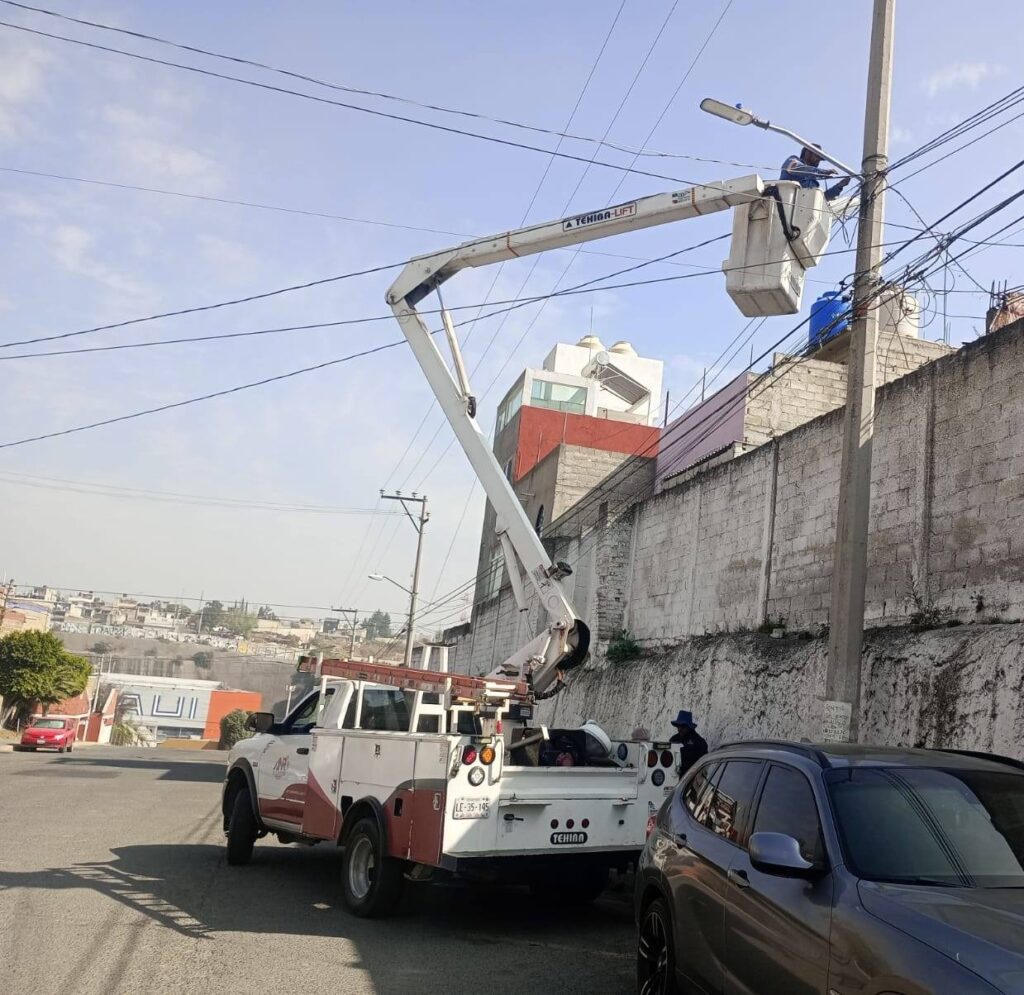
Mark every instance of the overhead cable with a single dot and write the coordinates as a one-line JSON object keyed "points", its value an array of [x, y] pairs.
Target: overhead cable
{"points": [[360, 91]]}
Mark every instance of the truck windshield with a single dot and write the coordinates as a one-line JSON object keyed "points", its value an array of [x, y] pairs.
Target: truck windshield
{"points": [[912, 825]]}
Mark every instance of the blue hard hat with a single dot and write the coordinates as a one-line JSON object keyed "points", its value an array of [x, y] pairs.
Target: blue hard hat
{"points": [[684, 718]]}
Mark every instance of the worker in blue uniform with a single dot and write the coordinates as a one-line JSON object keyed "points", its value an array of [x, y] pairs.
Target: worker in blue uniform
{"points": [[806, 170]]}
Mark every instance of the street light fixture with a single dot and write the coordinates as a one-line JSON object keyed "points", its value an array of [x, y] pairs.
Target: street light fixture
{"points": [[741, 116], [390, 581], [728, 112]]}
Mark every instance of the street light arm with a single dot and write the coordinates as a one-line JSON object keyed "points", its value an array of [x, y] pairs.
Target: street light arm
{"points": [[768, 126], [390, 581], [737, 114]]}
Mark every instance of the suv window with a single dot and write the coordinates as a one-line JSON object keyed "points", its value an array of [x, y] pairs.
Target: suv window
{"points": [[698, 793], [385, 710], [787, 806], [732, 798]]}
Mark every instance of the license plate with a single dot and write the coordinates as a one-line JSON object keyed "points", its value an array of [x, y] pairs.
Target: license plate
{"points": [[471, 808]]}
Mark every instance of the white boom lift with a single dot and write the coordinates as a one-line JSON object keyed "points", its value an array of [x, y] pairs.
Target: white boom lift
{"points": [[779, 230]]}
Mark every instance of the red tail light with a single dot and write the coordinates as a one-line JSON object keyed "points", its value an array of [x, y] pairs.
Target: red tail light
{"points": [[666, 758], [652, 758], [469, 755]]}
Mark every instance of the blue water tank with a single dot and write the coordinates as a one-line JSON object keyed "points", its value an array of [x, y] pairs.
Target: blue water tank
{"points": [[830, 315]]}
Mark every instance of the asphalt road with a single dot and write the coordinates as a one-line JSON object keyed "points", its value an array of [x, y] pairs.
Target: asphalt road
{"points": [[113, 879]]}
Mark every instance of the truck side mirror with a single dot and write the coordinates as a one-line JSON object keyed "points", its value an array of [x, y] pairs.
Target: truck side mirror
{"points": [[260, 721]]}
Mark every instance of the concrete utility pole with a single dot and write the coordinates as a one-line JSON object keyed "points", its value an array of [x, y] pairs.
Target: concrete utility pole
{"points": [[418, 525], [849, 569]]}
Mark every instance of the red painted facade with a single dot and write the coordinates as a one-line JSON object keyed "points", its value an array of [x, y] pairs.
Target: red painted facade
{"points": [[222, 702], [540, 430]]}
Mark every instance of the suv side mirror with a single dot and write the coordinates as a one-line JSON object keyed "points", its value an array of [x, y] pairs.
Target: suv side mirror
{"points": [[777, 853], [260, 721]]}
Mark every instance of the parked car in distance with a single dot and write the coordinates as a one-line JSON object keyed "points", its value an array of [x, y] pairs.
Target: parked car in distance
{"points": [[790, 868], [50, 733]]}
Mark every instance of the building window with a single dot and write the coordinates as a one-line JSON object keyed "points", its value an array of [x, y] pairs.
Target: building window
{"points": [[559, 396], [508, 470], [508, 408], [492, 581], [540, 521]]}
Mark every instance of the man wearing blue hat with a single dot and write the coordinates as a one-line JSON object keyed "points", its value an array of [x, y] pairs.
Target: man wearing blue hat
{"points": [[691, 745]]}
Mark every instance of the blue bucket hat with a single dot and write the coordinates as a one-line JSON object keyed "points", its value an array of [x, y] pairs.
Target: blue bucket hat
{"points": [[684, 718]]}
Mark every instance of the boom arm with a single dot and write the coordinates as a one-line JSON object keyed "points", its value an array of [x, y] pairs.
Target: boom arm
{"points": [[566, 641]]}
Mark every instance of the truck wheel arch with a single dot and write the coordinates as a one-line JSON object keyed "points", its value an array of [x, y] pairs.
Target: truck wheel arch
{"points": [[240, 776], [364, 808]]}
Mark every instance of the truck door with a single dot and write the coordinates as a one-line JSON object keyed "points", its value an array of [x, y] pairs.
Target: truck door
{"points": [[322, 811], [284, 764]]}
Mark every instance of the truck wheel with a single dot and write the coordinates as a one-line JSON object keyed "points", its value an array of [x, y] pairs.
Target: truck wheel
{"points": [[242, 829], [371, 882], [575, 885]]}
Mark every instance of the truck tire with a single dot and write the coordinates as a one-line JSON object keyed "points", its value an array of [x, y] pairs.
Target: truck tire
{"points": [[371, 882], [579, 885], [242, 829]]}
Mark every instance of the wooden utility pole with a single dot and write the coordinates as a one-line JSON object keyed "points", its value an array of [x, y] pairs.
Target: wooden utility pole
{"points": [[849, 570]]}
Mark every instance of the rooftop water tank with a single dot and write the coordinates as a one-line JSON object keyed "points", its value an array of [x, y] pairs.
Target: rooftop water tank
{"points": [[623, 348], [591, 342], [830, 315]]}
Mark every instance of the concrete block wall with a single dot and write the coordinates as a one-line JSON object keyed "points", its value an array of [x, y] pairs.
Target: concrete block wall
{"points": [[975, 539], [799, 560], [794, 394], [753, 540]]}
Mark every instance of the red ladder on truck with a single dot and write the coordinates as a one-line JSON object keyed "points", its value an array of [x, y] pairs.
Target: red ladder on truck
{"points": [[480, 690]]}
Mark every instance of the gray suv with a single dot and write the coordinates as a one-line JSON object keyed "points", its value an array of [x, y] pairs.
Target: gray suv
{"points": [[791, 868]]}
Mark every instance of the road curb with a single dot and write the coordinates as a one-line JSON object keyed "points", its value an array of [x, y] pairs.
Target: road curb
{"points": [[6, 747]]}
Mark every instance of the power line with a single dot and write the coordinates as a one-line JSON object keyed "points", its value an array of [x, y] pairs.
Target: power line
{"points": [[205, 307], [138, 493], [202, 397], [207, 198], [508, 143], [377, 94], [149, 343]]}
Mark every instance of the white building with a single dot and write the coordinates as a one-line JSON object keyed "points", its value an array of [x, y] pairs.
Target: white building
{"points": [[588, 379]]}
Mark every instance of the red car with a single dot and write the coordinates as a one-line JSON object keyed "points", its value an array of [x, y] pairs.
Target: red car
{"points": [[50, 733]]}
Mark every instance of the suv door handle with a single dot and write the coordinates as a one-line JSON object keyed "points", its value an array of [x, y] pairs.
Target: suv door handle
{"points": [[302, 751], [738, 878]]}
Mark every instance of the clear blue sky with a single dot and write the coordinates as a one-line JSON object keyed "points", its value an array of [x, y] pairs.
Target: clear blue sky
{"points": [[74, 256]]}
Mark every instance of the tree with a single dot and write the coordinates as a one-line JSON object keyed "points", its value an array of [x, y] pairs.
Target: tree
{"points": [[267, 613], [240, 622], [101, 647], [378, 625], [35, 667], [211, 613], [202, 659], [233, 728]]}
